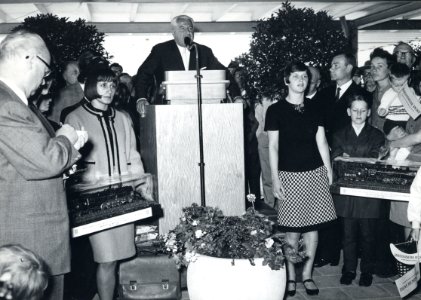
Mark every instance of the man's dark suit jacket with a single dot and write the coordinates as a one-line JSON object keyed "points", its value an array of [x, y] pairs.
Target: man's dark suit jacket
{"points": [[335, 112], [33, 207], [166, 57]]}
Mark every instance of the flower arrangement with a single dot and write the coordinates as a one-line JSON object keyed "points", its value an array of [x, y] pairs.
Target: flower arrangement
{"points": [[206, 231]]}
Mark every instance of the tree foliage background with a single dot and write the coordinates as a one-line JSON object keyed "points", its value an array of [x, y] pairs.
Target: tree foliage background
{"points": [[291, 34], [65, 39]]}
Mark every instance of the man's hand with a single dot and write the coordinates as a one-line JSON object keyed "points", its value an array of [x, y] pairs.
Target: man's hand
{"points": [[146, 189], [69, 132], [82, 138], [415, 234], [140, 106], [382, 112]]}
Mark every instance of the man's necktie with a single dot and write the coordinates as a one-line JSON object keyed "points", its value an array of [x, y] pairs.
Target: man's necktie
{"points": [[338, 92]]}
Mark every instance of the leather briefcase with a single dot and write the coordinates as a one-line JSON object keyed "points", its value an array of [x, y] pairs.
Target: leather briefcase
{"points": [[148, 278]]}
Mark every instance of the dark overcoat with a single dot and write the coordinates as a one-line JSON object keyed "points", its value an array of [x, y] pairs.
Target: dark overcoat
{"points": [[366, 144]]}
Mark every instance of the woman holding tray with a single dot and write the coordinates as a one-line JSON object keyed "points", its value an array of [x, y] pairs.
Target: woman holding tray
{"points": [[111, 150]]}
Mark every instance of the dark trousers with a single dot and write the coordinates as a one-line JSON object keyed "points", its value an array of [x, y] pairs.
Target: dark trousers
{"points": [[359, 232], [329, 247]]}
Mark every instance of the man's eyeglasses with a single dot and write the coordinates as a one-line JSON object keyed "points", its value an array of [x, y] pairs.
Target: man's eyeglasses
{"points": [[402, 53], [48, 72]]}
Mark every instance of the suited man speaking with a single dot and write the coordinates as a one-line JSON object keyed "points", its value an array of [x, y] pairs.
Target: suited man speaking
{"points": [[173, 55]]}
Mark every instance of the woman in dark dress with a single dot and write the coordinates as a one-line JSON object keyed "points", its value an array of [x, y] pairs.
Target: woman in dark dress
{"points": [[301, 170]]}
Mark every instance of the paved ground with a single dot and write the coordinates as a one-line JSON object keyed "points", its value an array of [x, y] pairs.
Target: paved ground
{"points": [[327, 279]]}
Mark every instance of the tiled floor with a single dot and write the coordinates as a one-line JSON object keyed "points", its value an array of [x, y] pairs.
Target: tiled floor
{"points": [[327, 279]]}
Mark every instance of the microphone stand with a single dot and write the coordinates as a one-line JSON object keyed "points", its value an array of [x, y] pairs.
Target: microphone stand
{"points": [[199, 111]]}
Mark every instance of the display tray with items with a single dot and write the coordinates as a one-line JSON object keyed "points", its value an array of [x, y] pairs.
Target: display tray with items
{"points": [[109, 202], [369, 177]]}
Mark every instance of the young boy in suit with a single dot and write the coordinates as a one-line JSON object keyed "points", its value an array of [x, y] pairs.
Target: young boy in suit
{"points": [[358, 139]]}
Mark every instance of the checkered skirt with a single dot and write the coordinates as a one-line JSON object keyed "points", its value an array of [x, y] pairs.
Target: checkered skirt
{"points": [[308, 201]]}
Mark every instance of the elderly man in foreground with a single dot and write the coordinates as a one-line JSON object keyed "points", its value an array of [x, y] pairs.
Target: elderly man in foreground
{"points": [[33, 157]]}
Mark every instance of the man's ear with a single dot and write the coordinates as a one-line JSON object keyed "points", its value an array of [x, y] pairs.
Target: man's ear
{"points": [[368, 112], [349, 68], [348, 111]]}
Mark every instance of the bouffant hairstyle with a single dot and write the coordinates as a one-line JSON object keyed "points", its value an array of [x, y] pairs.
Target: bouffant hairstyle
{"points": [[106, 75]]}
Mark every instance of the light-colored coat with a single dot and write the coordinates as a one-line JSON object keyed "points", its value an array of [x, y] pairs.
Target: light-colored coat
{"points": [[33, 208]]}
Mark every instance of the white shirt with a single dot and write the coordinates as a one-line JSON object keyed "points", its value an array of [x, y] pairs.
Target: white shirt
{"points": [[358, 128], [16, 90], [414, 205], [185, 55], [344, 87], [312, 95]]}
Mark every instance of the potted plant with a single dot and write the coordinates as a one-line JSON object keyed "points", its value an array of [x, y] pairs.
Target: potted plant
{"points": [[230, 257]]}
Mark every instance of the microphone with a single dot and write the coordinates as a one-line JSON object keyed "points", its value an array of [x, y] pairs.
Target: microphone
{"points": [[188, 42]]}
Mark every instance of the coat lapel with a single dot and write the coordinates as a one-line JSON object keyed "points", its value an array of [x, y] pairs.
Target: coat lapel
{"points": [[43, 120], [178, 60]]}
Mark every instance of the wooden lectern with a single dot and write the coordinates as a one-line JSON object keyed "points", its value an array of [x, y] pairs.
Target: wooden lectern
{"points": [[170, 149]]}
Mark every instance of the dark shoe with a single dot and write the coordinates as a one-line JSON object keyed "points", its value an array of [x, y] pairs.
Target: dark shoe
{"points": [[310, 292], [347, 278], [366, 279], [334, 262], [291, 292], [320, 263]]}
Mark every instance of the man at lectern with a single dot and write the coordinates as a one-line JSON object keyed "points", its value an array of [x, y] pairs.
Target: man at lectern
{"points": [[174, 55]]}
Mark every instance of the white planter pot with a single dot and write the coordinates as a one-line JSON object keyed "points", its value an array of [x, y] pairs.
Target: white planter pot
{"points": [[210, 278]]}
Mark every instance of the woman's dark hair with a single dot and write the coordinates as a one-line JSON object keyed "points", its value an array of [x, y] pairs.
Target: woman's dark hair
{"points": [[106, 75], [358, 97], [381, 53], [295, 67], [89, 63]]}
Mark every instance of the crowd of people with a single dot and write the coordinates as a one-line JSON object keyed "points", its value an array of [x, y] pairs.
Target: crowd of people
{"points": [[289, 140]]}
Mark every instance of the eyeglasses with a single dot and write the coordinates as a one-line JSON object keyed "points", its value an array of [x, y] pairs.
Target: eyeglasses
{"points": [[48, 72], [402, 53]]}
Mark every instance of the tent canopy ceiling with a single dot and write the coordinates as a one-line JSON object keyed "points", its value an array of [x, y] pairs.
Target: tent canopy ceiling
{"points": [[379, 22], [363, 13]]}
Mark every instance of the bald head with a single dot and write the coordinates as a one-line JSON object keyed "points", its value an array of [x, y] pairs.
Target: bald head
{"points": [[315, 80], [24, 60], [404, 54], [22, 42]]}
